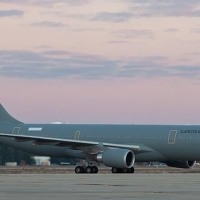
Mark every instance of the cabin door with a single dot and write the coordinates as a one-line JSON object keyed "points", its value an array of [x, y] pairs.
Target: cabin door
{"points": [[172, 137], [77, 135], [16, 131]]}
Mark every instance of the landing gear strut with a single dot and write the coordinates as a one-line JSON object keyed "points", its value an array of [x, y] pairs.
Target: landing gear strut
{"points": [[119, 170], [88, 169]]}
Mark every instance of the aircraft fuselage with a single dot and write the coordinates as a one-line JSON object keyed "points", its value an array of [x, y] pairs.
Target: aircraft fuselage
{"points": [[161, 142]]}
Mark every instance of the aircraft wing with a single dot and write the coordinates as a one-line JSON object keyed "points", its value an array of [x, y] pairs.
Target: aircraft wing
{"points": [[90, 147]]}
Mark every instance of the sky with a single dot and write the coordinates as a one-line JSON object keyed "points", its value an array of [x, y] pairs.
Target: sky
{"points": [[108, 61]]}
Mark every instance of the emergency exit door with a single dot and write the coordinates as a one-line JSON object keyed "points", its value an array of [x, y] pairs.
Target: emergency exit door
{"points": [[172, 137]]}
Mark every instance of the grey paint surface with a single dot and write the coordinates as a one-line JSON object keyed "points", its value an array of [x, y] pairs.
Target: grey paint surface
{"points": [[100, 186], [154, 142]]}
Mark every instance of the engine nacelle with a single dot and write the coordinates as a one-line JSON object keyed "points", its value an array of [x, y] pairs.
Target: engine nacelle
{"points": [[181, 164], [119, 158]]}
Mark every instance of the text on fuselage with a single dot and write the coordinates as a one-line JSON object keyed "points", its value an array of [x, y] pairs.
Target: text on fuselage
{"points": [[190, 131]]}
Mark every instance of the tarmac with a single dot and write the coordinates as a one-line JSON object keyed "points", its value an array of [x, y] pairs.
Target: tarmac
{"points": [[163, 186]]}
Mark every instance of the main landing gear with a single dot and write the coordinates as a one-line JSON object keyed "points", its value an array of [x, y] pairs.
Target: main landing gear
{"points": [[119, 170], [88, 169], [94, 170]]}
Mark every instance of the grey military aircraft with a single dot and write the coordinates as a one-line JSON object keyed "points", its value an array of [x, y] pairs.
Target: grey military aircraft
{"points": [[116, 146]]}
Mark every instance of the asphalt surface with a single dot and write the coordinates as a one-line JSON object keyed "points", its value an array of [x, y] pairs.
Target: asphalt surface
{"points": [[161, 186]]}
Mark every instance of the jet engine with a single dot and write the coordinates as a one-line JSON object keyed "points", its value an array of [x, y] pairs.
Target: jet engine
{"points": [[181, 164], [119, 158]]}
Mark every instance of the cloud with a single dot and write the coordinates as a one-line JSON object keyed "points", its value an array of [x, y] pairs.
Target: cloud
{"points": [[86, 29], [49, 24], [196, 30], [46, 2], [133, 33], [151, 8], [135, 8], [66, 64], [165, 8], [195, 53], [118, 42], [151, 70], [54, 64], [112, 17], [187, 71], [52, 2], [11, 13]]}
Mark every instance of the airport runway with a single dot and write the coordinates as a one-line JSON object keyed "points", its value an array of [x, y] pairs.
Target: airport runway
{"points": [[99, 186]]}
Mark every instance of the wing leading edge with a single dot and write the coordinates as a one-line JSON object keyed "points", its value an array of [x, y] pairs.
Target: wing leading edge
{"points": [[75, 144]]}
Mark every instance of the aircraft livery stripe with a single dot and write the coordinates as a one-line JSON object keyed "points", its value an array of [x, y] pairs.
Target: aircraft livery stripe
{"points": [[35, 129]]}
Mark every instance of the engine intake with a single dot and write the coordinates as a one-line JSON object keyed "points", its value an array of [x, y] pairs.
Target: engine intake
{"points": [[181, 164], [119, 158]]}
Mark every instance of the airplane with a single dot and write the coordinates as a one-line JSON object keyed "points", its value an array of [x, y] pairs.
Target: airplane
{"points": [[117, 146]]}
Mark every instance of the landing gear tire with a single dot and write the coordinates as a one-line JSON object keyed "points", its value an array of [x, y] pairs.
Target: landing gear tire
{"points": [[92, 170], [79, 169], [131, 170], [88, 169], [119, 170], [95, 169], [115, 170]]}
